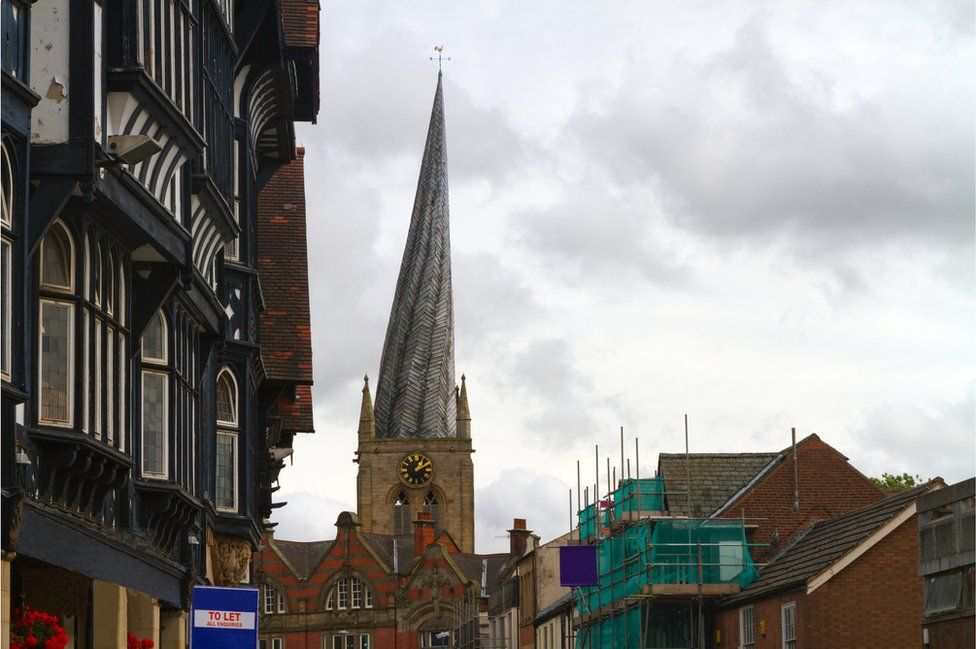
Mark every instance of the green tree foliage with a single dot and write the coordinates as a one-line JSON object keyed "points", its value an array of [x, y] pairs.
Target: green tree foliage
{"points": [[892, 483]]}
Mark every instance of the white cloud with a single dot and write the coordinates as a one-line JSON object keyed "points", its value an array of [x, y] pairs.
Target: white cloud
{"points": [[760, 214]]}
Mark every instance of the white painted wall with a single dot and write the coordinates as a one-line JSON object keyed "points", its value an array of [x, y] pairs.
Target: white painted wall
{"points": [[50, 27]]}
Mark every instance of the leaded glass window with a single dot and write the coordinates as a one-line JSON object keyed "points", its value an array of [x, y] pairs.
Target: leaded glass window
{"points": [[55, 376], [56, 258], [154, 340], [155, 398], [226, 471], [6, 299], [226, 398], [154, 415]]}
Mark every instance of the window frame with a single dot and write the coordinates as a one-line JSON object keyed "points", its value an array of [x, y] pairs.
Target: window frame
{"points": [[70, 371], [752, 627], [234, 400], [232, 434], [7, 262], [164, 475], [788, 643]]}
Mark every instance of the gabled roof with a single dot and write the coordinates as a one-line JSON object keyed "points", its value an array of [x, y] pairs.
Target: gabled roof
{"points": [[483, 569], [395, 551], [820, 551], [715, 478], [301, 557], [415, 392]]}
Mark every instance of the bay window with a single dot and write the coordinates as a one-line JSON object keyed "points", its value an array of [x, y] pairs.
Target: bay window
{"points": [[56, 337], [155, 398], [227, 431]]}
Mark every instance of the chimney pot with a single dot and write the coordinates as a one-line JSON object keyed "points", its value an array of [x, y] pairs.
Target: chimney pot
{"points": [[423, 533]]}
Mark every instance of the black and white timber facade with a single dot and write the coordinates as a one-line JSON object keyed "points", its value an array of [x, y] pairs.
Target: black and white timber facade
{"points": [[140, 434]]}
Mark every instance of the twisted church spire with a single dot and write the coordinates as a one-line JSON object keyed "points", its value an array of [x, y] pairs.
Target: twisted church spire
{"points": [[415, 393]]}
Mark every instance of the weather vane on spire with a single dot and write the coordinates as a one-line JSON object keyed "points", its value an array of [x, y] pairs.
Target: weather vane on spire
{"points": [[440, 58]]}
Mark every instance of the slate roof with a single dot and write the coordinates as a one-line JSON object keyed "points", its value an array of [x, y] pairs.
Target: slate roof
{"points": [[415, 392], [715, 477], [282, 261], [383, 545], [826, 542], [564, 602], [473, 566], [470, 565], [300, 22], [303, 556]]}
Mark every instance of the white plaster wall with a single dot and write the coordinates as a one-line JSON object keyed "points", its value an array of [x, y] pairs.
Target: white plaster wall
{"points": [[99, 74], [50, 27]]}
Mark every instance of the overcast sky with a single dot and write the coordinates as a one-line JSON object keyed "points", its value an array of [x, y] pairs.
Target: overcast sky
{"points": [[761, 214]]}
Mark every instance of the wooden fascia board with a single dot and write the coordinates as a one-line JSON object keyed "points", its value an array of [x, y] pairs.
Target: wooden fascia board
{"points": [[862, 547]]}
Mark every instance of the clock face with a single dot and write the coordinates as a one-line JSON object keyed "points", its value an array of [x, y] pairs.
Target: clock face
{"points": [[416, 469]]}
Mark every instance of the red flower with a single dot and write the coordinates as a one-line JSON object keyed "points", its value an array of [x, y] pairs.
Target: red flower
{"points": [[31, 641], [147, 643]]}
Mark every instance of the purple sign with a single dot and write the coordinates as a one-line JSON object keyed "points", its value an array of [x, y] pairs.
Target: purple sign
{"points": [[577, 565]]}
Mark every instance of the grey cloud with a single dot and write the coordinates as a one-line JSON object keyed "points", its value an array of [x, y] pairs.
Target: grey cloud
{"points": [[738, 148], [540, 498], [929, 440]]}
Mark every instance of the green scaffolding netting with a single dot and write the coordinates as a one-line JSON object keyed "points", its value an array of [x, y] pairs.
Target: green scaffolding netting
{"points": [[646, 494], [621, 567], [587, 522], [721, 544], [616, 632], [680, 551]]}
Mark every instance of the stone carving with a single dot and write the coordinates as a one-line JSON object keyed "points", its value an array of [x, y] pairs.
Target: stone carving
{"points": [[230, 558]]}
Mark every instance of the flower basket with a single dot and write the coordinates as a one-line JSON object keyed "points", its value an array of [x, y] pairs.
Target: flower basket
{"points": [[30, 629]]}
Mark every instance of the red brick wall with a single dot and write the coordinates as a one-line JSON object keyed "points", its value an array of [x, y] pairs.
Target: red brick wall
{"points": [[828, 486], [952, 634], [874, 602], [768, 611]]}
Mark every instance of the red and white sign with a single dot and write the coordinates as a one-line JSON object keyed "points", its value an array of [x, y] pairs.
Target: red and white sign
{"points": [[223, 619]]}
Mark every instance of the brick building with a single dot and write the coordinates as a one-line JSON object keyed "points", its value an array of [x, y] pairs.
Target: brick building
{"points": [[760, 487], [850, 581]]}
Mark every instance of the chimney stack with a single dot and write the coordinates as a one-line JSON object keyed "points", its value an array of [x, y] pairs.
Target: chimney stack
{"points": [[423, 533], [518, 537]]}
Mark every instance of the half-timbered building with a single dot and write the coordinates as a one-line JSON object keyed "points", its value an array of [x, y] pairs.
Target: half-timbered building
{"points": [[156, 356]]}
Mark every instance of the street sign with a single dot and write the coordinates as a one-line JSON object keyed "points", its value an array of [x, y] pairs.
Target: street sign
{"points": [[224, 618]]}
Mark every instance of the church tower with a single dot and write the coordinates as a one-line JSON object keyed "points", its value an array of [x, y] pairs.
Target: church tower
{"points": [[415, 439]]}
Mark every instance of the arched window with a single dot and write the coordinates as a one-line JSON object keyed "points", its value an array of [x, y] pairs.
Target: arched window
{"points": [[349, 592], [227, 424], [56, 331], [57, 257], [432, 507], [7, 191], [6, 258], [226, 398], [401, 514], [155, 398]]}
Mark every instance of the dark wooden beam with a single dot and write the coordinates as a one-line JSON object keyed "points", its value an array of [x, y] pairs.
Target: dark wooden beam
{"points": [[46, 204], [150, 295]]}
